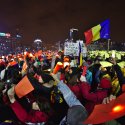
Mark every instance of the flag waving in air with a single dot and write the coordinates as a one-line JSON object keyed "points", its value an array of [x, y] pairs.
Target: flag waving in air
{"points": [[102, 30]]}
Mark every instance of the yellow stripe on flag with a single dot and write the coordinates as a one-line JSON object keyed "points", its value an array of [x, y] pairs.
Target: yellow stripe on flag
{"points": [[96, 32]]}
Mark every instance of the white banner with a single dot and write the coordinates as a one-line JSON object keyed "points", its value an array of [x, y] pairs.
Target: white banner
{"points": [[73, 48], [83, 47]]}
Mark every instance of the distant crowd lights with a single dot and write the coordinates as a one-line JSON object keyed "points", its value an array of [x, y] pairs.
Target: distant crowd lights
{"points": [[8, 35], [5, 34]]}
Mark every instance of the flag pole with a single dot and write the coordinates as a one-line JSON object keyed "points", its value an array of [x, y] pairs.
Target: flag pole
{"points": [[108, 44]]}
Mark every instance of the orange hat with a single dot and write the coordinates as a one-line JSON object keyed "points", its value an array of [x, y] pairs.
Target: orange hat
{"points": [[13, 63], [58, 66]]}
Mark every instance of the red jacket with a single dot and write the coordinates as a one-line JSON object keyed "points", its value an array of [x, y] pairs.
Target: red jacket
{"points": [[92, 98], [32, 116], [76, 90]]}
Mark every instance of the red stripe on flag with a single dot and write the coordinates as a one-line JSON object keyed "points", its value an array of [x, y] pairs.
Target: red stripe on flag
{"points": [[88, 36]]}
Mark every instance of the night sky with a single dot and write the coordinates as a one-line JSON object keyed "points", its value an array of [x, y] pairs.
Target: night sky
{"points": [[50, 20]]}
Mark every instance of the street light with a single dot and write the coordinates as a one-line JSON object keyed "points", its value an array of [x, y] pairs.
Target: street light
{"points": [[73, 34]]}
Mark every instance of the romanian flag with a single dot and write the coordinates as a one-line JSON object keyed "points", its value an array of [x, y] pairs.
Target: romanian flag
{"points": [[102, 30]]}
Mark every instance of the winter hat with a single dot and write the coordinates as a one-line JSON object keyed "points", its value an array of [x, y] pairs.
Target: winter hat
{"points": [[75, 70], [76, 115], [105, 83], [46, 77], [58, 66]]}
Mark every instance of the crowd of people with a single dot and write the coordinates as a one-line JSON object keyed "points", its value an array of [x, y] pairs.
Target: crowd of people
{"points": [[63, 91]]}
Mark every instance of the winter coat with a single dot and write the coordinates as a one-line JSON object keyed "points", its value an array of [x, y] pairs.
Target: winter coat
{"points": [[32, 116], [76, 90], [120, 76], [92, 98]]}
